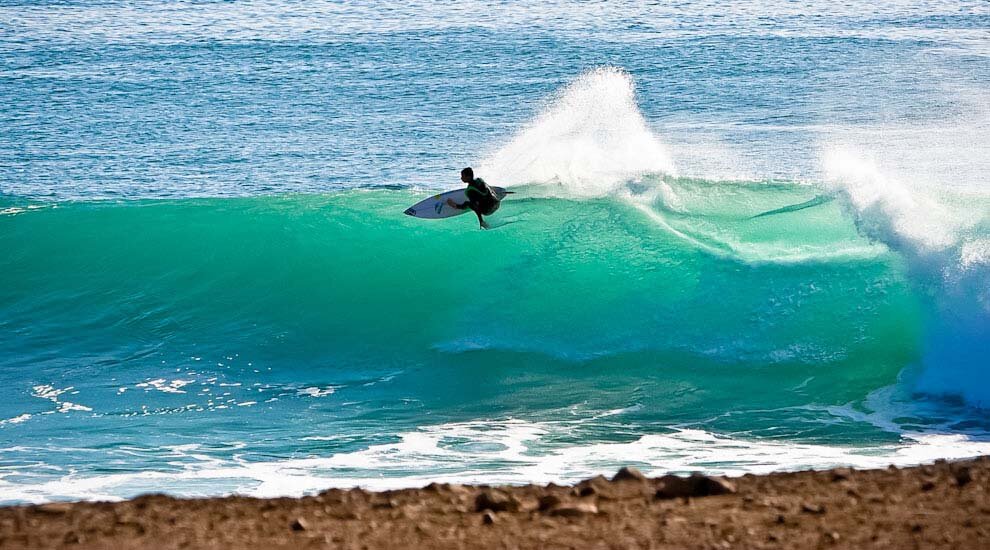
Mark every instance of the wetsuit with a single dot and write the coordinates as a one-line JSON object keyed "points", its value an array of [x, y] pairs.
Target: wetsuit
{"points": [[481, 198]]}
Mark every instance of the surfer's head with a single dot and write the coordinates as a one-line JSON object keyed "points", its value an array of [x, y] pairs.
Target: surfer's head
{"points": [[467, 175]]}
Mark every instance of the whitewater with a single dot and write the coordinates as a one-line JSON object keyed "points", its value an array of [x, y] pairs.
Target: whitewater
{"points": [[734, 246]]}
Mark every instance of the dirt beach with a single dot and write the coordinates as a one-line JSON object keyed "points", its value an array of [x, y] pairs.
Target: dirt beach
{"points": [[942, 505]]}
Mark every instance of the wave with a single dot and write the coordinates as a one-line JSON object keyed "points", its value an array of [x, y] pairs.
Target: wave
{"points": [[601, 216], [319, 279], [944, 248], [734, 321], [600, 220], [592, 140]]}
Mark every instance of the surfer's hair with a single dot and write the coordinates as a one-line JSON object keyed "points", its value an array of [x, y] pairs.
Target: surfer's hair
{"points": [[467, 173]]}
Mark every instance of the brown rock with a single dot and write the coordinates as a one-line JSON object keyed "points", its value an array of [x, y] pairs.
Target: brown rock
{"points": [[488, 518], [496, 501], [697, 485], [927, 485], [575, 509], [671, 486], [335, 496], [447, 488], [841, 474], [812, 508], [587, 491], [963, 475], [547, 502], [385, 504], [712, 485], [592, 486], [627, 483], [628, 473], [299, 524], [54, 508]]}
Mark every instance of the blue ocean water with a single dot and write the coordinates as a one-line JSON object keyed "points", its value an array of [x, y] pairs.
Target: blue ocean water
{"points": [[745, 236]]}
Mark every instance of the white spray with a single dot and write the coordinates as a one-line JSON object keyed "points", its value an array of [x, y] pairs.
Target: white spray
{"points": [[590, 140]]}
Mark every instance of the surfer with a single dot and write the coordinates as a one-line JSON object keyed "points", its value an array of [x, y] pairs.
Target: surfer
{"points": [[480, 198]]}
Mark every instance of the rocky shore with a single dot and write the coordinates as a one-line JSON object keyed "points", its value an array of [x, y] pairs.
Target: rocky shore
{"points": [[942, 505]]}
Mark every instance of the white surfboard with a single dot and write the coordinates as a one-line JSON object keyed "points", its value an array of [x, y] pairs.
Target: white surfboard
{"points": [[436, 207]]}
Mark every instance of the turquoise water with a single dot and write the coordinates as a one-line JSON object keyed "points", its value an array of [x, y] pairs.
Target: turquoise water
{"points": [[743, 238]]}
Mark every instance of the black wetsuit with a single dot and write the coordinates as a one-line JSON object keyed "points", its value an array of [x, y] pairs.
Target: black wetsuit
{"points": [[481, 198]]}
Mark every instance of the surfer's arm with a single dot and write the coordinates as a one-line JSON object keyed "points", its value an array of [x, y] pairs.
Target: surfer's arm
{"points": [[461, 206]]}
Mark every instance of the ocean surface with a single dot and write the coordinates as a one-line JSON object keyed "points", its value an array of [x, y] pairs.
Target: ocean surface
{"points": [[745, 236]]}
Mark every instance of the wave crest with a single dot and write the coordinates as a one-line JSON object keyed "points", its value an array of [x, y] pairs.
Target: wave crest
{"points": [[590, 140]]}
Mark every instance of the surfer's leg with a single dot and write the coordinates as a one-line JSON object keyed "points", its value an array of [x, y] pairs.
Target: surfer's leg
{"points": [[481, 220]]}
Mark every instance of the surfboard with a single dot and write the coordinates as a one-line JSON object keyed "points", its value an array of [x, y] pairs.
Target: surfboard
{"points": [[436, 207]]}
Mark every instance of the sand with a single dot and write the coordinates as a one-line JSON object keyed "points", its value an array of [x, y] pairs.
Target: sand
{"points": [[944, 505]]}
